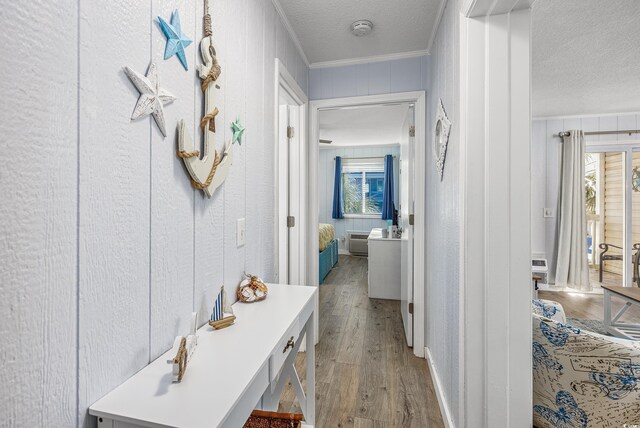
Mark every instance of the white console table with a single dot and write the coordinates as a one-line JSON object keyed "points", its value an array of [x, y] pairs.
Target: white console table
{"points": [[384, 266], [232, 372]]}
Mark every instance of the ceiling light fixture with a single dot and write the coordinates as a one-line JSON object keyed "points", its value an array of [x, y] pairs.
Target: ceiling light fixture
{"points": [[361, 28]]}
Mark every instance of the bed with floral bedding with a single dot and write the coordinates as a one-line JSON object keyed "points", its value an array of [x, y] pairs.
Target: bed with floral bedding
{"points": [[328, 249]]}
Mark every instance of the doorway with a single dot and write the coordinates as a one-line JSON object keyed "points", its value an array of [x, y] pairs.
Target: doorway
{"points": [[290, 178], [410, 207], [612, 182]]}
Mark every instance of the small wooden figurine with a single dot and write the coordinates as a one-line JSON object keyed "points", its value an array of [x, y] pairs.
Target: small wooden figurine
{"points": [[185, 347], [222, 314]]}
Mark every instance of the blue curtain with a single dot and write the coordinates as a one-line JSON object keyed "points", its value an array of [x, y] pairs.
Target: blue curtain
{"points": [[387, 194], [338, 206]]}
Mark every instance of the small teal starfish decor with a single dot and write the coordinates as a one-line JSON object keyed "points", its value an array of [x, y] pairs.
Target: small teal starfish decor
{"points": [[237, 131], [176, 40]]}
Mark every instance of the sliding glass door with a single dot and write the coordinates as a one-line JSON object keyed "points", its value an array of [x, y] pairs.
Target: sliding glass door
{"points": [[613, 213]]}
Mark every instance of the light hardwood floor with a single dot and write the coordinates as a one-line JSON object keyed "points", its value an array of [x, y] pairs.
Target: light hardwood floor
{"points": [[366, 376], [589, 306]]}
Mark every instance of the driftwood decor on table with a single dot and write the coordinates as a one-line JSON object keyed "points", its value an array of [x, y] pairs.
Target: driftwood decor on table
{"points": [[184, 347], [209, 171]]}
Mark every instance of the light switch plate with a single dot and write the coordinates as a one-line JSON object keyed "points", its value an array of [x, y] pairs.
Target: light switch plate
{"points": [[240, 232]]}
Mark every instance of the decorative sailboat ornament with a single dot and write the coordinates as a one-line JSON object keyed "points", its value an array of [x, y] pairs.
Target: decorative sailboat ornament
{"points": [[222, 314], [184, 348], [210, 171]]}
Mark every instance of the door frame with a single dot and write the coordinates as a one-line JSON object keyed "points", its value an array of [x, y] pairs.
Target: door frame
{"points": [[284, 80], [495, 333], [418, 98]]}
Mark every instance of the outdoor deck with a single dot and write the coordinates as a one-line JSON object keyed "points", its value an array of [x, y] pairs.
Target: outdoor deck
{"points": [[608, 278]]}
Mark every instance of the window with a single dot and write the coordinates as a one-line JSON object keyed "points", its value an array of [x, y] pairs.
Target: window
{"points": [[363, 186]]}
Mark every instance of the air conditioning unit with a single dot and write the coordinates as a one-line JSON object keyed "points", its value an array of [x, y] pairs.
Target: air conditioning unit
{"points": [[540, 269], [358, 244]]}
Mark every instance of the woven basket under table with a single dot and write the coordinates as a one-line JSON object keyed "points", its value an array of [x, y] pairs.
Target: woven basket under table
{"points": [[262, 419]]}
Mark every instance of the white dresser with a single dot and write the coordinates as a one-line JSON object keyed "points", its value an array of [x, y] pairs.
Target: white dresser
{"points": [[384, 266], [232, 371]]}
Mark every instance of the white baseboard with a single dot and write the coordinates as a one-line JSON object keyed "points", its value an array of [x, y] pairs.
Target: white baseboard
{"points": [[444, 408]]}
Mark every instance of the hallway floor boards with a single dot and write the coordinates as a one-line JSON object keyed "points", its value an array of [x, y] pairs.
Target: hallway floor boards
{"points": [[366, 376]]}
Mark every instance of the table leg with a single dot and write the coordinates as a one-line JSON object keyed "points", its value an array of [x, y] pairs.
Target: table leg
{"points": [[607, 309], [310, 414]]}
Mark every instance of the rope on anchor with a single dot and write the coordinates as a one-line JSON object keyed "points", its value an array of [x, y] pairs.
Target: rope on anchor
{"points": [[207, 20], [215, 70], [210, 118], [207, 182], [186, 155]]}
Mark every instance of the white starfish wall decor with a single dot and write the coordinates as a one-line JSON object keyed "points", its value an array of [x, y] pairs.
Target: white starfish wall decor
{"points": [[152, 96]]}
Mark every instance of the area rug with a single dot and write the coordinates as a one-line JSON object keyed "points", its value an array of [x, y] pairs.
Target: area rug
{"points": [[595, 326]]}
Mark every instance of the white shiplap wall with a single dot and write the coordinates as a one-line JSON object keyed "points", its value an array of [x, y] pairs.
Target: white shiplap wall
{"points": [[38, 212], [546, 153], [106, 249], [374, 78], [443, 215], [325, 189]]}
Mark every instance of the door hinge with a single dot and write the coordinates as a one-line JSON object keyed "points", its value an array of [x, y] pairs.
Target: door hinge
{"points": [[411, 219], [291, 221], [290, 131], [412, 131], [411, 308]]}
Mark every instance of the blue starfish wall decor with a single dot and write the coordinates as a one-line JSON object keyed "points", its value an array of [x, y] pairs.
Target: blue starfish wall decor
{"points": [[176, 40], [237, 131]]}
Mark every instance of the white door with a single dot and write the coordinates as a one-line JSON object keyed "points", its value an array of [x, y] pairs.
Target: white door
{"points": [[288, 191], [405, 213]]}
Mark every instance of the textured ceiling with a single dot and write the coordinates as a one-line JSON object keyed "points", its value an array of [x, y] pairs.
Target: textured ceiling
{"points": [[586, 57], [323, 26], [362, 126]]}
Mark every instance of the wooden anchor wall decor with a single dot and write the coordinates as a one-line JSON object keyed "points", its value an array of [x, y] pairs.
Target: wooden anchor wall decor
{"points": [[209, 172]]}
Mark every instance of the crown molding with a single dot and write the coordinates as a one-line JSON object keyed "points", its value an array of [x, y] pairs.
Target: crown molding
{"points": [[368, 59], [357, 146], [290, 30], [436, 25], [584, 116]]}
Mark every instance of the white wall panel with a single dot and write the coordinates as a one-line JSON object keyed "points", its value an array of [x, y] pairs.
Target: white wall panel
{"points": [[405, 74], [443, 213], [114, 198], [538, 191], [254, 136], [209, 213], [172, 196], [267, 205], [114, 215], [235, 103], [545, 144], [38, 232], [382, 77]]}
